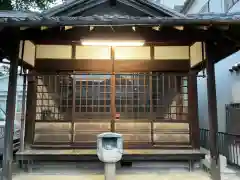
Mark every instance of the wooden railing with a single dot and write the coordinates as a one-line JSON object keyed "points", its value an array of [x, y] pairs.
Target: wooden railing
{"points": [[228, 145]]}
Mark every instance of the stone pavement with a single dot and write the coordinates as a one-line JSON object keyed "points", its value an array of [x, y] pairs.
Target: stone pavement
{"points": [[138, 172], [172, 176]]}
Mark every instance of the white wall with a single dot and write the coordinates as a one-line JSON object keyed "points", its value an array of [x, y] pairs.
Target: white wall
{"points": [[196, 6], [169, 3], [227, 87], [235, 8], [215, 6]]}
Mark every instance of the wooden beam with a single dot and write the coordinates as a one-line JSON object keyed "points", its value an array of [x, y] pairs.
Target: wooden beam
{"points": [[149, 35], [52, 65]]}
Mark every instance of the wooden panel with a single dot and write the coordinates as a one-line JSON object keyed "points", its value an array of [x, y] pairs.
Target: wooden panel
{"points": [[134, 131], [172, 127], [132, 53], [173, 138], [132, 127], [88, 131], [27, 52], [40, 138], [85, 138], [171, 52], [171, 132], [147, 66], [54, 51], [90, 126], [128, 137], [41, 127], [52, 132], [68, 64], [196, 53], [93, 52], [106, 65]]}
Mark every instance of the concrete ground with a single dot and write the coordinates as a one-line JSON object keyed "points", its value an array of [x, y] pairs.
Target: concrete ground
{"points": [[137, 172], [172, 176]]}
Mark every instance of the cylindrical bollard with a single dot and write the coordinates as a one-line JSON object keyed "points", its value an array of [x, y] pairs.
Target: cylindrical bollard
{"points": [[110, 171]]}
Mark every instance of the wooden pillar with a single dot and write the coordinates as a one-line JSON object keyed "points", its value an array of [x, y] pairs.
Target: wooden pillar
{"points": [[193, 109], [211, 54], [113, 91], [73, 108], [10, 108], [30, 109], [22, 132], [10, 116], [179, 101]]}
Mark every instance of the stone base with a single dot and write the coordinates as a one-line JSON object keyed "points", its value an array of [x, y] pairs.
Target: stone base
{"points": [[206, 163], [110, 171]]}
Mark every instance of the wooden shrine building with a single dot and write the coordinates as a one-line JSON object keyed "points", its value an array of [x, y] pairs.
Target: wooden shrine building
{"points": [[115, 65]]}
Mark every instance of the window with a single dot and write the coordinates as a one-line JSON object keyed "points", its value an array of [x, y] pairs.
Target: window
{"points": [[19, 106], [2, 115], [93, 92]]}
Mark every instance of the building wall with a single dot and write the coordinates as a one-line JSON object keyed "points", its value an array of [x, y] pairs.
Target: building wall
{"points": [[214, 6], [3, 94], [168, 3], [227, 84], [235, 8], [197, 6], [227, 87]]}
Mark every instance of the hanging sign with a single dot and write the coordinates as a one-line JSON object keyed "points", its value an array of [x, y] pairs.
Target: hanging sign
{"points": [[117, 116]]}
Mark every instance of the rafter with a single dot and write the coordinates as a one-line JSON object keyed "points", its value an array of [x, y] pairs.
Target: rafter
{"points": [[167, 35]]}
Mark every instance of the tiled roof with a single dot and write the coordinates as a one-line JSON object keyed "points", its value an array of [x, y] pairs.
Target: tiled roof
{"points": [[13, 18]]}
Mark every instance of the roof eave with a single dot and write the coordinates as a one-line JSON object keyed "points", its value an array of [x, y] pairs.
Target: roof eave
{"points": [[112, 21]]}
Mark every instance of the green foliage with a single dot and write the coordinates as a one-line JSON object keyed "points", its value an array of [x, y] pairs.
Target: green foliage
{"points": [[5, 5], [25, 5]]}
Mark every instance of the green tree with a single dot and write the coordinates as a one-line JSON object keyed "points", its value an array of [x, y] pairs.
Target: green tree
{"points": [[25, 5]]}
